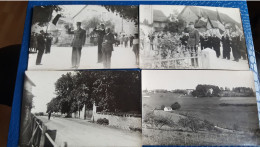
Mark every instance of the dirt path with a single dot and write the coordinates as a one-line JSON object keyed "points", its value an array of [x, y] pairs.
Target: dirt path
{"points": [[78, 132]]}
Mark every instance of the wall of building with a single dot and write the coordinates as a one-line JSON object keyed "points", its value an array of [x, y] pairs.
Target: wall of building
{"points": [[122, 122]]}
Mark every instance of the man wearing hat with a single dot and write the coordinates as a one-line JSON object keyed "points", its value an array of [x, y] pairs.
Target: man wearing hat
{"points": [[193, 43], [77, 43], [40, 47], [101, 33]]}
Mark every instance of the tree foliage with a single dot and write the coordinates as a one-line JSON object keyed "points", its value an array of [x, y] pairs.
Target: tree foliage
{"points": [[127, 12], [95, 21], [112, 91], [206, 91], [43, 14], [175, 26]]}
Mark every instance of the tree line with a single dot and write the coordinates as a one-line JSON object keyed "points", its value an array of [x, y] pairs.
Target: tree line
{"points": [[111, 91]]}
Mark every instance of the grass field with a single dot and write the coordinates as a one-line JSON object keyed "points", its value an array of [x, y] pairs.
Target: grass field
{"points": [[235, 117]]}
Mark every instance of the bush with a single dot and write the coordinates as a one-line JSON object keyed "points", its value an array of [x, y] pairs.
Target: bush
{"points": [[190, 122], [103, 121], [176, 106], [162, 107], [208, 125]]}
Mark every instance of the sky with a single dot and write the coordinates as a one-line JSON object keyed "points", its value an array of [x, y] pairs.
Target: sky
{"points": [[44, 90], [232, 12], [189, 79]]}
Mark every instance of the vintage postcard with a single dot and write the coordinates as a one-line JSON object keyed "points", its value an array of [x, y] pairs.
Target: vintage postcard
{"points": [[83, 108], [198, 107], [84, 37], [191, 37]]}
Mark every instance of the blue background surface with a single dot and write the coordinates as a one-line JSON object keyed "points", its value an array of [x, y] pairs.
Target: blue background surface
{"points": [[13, 136]]}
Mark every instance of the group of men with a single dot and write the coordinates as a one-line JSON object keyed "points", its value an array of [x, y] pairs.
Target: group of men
{"points": [[40, 43], [234, 42]]}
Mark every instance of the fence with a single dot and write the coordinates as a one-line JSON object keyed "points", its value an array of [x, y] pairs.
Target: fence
{"points": [[40, 136]]}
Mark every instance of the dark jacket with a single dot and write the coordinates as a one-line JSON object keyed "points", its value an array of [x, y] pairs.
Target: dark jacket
{"points": [[107, 45], [79, 37]]}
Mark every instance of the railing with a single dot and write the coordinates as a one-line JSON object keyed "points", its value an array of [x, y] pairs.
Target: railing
{"points": [[40, 134]]}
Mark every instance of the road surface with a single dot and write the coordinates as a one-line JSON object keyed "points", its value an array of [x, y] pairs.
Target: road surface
{"points": [[60, 58], [78, 132]]}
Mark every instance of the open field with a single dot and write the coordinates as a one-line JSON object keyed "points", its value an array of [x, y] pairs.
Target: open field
{"points": [[209, 108], [232, 124]]}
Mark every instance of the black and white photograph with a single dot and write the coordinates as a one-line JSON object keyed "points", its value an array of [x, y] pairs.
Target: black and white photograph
{"points": [[191, 37], [193, 107], [81, 108], [65, 37]]}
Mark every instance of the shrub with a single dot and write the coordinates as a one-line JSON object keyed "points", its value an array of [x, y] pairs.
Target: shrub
{"points": [[208, 125], [190, 122], [176, 106], [103, 121], [162, 107]]}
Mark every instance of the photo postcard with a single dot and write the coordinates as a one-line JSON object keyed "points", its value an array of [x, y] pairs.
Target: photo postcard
{"points": [[198, 107], [65, 37], [81, 108], [191, 37]]}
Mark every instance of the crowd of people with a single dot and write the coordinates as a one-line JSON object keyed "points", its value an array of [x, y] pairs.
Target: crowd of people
{"points": [[40, 44], [187, 44]]}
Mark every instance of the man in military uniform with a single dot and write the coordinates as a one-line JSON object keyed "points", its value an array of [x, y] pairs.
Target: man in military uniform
{"points": [[216, 44], [101, 33], [40, 47], [193, 43], [226, 45], [235, 45], [77, 43]]}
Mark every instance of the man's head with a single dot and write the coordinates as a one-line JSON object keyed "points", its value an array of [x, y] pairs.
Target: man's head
{"points": [[102, 26], [42, 32], [78, 25], [191, 25]]}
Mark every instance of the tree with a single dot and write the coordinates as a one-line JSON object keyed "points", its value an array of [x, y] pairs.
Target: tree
{"points": [[127, 12], [204, 91], [53, 105], [175, 26], [43, 14], [175, 106]]}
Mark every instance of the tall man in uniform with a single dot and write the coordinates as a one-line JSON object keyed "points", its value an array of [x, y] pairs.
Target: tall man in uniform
{"points": [[40, 47], [77, 43], [101, 33], [193, 43]]}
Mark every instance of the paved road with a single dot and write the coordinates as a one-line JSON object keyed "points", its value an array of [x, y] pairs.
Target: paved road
{"points": [[60, 58], [77, 132]]}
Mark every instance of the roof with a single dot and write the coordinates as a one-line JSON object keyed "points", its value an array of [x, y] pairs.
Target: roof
{"points": [[212, 15], [168, 107], [158, 15]]}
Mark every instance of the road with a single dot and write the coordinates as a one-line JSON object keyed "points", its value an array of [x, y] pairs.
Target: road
{"points": [[78, 132], [60, 58]]}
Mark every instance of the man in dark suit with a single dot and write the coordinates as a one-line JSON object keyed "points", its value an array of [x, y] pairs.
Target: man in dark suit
{"points": [[101, 32], [77, 43], [107, 48], [216, 44], [40, 47], [226, 46], [193, 43]]}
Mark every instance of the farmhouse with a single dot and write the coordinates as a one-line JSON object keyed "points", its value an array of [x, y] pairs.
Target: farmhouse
{"points": [[159, 20], [167, 109], [205, 19]]}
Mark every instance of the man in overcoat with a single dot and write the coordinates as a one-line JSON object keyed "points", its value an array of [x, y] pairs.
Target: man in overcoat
{"points": [[226, 45], [77, 43], [101, 32], [193, 43], [107, 48]]}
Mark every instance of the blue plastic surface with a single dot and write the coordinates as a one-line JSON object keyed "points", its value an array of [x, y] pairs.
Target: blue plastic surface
{"points": [[13, 136]]}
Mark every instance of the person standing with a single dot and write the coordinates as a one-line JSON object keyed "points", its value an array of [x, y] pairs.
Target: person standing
{"points": [[216, 44], [48, 43], [226, 46], [136, 48], [193, 43], [101, 32], [131, 40], [40, 47], [77, 43], [234, 45], [49, 115], [126, 41], [107, 48]]}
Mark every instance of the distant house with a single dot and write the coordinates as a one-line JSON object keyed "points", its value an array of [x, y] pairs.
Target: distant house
{"points": [[167, 109], [208, 18], [159, 20], [189, 91]]}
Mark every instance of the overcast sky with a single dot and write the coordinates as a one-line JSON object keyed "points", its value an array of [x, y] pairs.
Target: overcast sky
{"points": [[44, 90], [189, 79]]}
